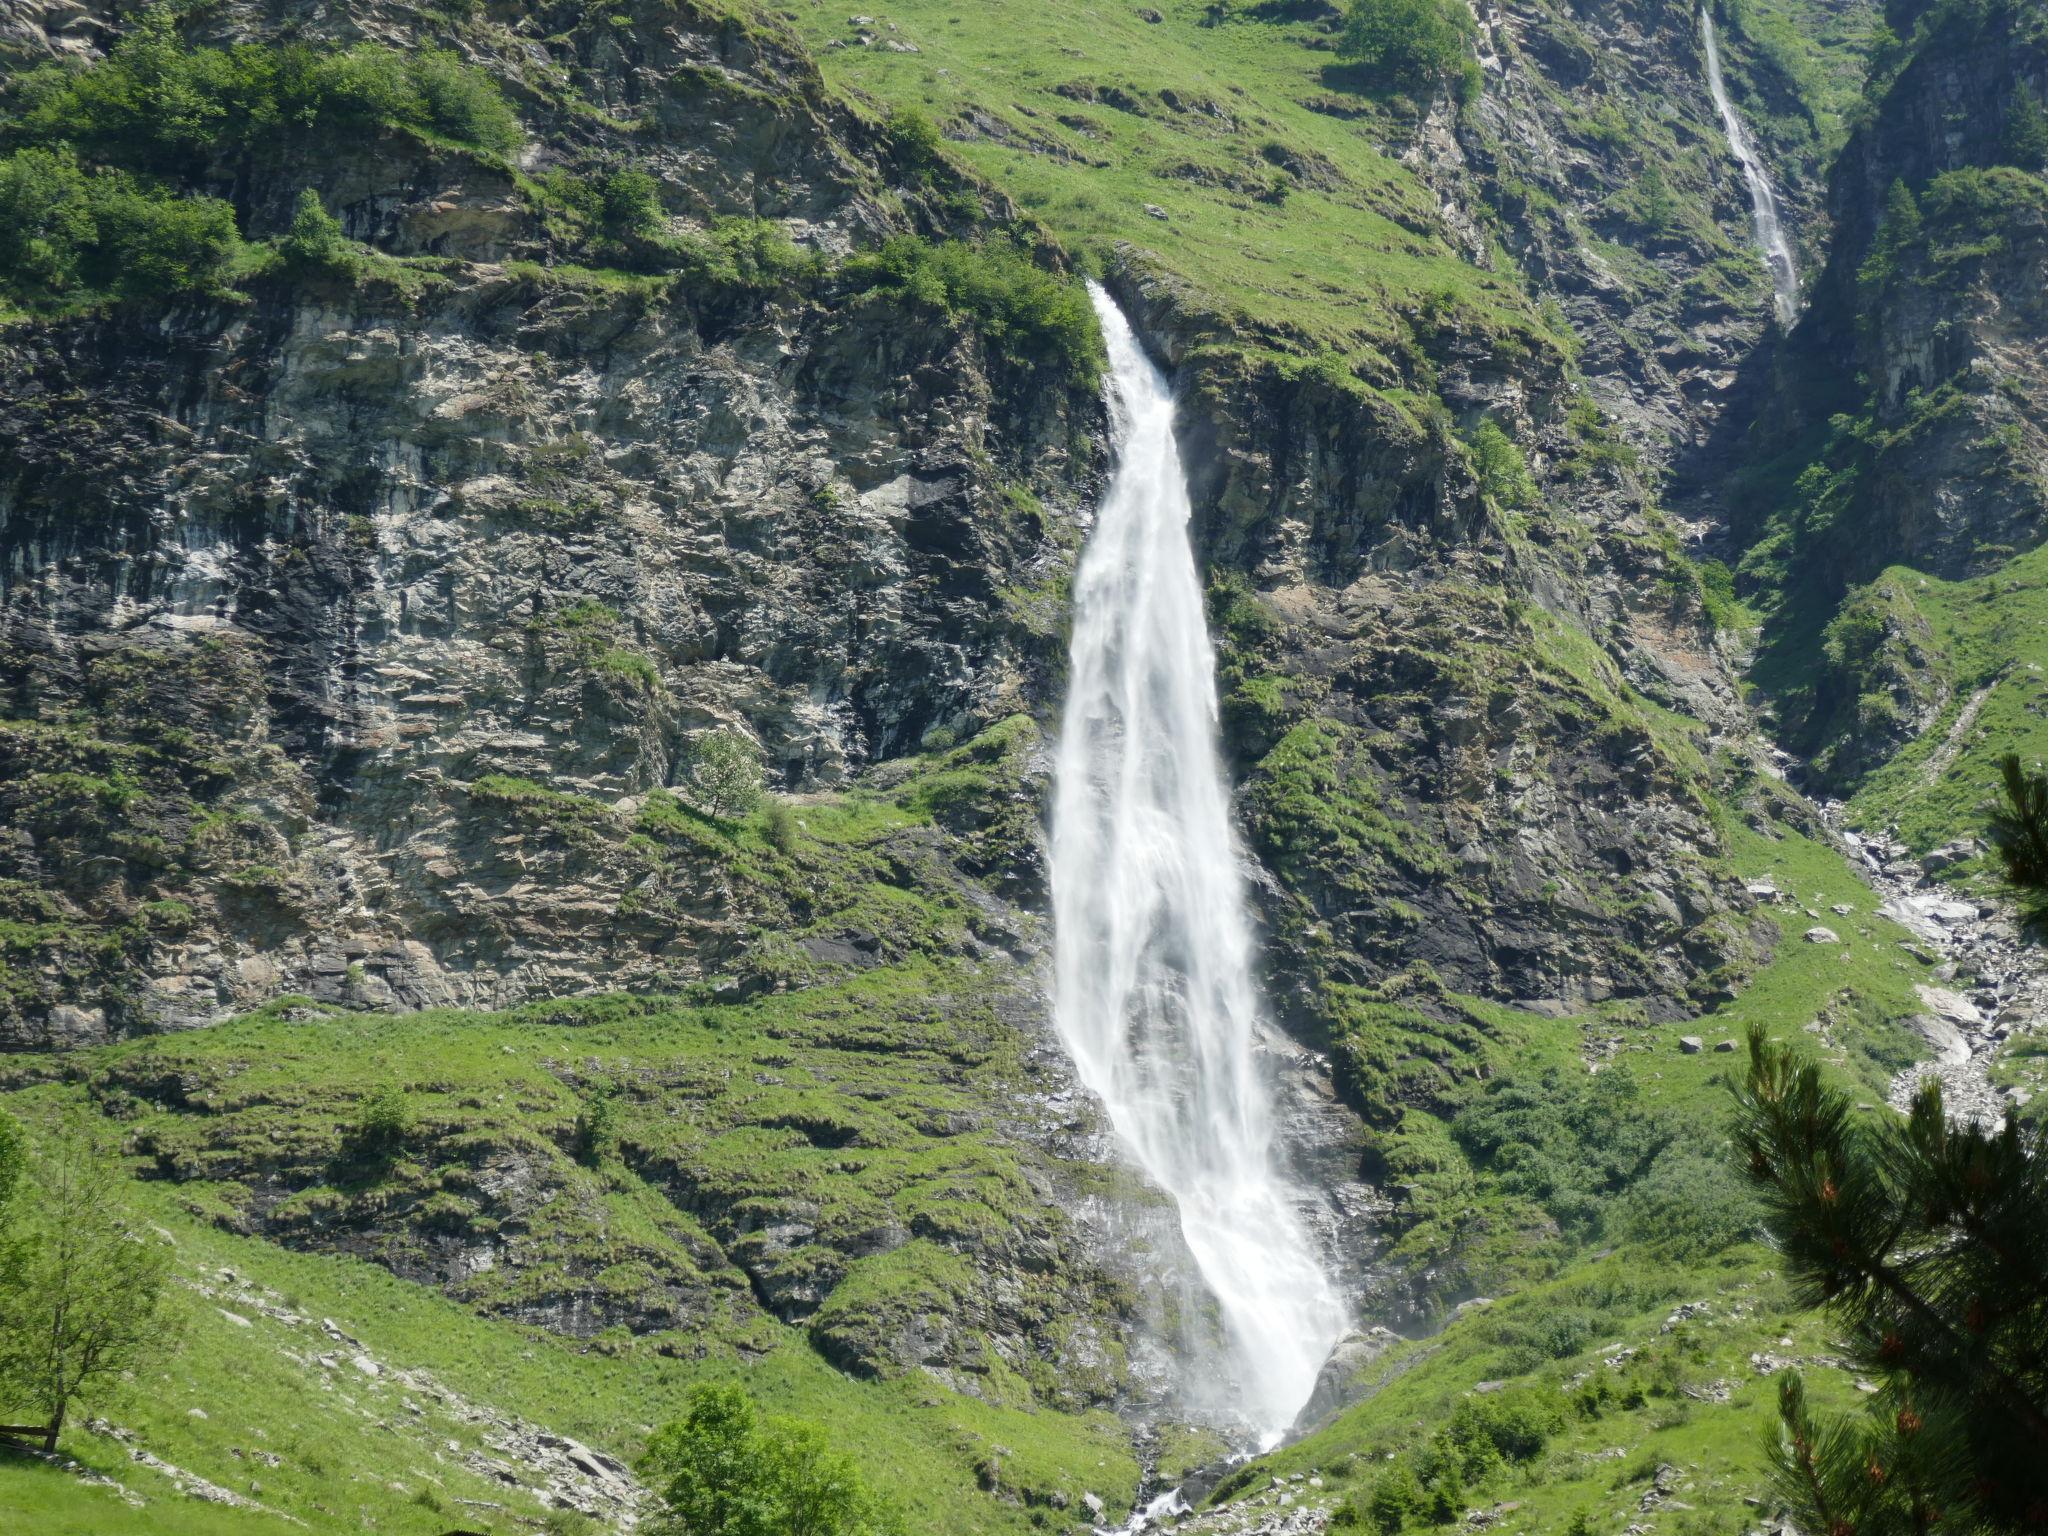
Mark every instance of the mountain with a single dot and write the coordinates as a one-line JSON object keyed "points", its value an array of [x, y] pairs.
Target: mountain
{"points": [[537, 563]]}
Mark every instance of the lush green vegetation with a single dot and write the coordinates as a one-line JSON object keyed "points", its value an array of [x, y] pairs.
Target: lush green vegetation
{"points": [[1411, 45], [1196, 140], [1027, 317], [1498, 465], [835, 1109], [68, 231], [1819, 51], [103, 183], [156, 105], [1582, 1402], [722, 1471]]}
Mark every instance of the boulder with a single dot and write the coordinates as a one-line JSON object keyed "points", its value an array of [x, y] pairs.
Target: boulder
{"points": [[1338, 1384]]}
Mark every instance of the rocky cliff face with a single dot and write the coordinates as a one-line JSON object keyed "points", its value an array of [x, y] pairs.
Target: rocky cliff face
{"points": [[301, 590], [1597, 159], [369, 637], [1901, 423]]}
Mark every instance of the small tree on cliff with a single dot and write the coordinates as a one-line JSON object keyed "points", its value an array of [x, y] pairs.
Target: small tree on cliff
{"points": [[724, 771], [1929, 1243], [2026, 132]]}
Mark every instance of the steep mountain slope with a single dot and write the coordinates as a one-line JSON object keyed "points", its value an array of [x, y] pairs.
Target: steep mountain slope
{"points": [[378, 615], [1893, 502]]}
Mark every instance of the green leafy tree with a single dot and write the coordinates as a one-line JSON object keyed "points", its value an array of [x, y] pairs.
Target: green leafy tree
{"points": [[153, 244], [69, 235], [1928, 1242], [1397, 1498], [629, 205], [1407, 45], [45, 220], [724, 770], [914, 143], [2018, 827], [82, 1287], [315, 240], [722, 1470]]}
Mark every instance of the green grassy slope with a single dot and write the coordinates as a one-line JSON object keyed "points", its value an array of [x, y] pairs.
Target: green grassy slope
{"points": [[1227, 150], [1637, 1334], [279, 1094], [1990, 641]]}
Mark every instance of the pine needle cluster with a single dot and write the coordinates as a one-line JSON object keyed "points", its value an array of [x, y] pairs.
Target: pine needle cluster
{"points": [[1928, 1242]]}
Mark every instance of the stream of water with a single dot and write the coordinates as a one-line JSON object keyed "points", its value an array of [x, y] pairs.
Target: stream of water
{"points": [[1155, 991], [1771, 240]]}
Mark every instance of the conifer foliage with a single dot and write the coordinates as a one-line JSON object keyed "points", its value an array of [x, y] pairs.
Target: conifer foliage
{"points": [[2019, 831], [1928, 1242]]}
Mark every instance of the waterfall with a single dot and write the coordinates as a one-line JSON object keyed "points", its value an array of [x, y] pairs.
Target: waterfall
{"points": [[1156, 999], [1763, 202]]}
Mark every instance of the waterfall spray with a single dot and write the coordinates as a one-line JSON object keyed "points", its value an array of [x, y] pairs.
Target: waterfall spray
{"points": [[1155, 993], [1763, 202]]}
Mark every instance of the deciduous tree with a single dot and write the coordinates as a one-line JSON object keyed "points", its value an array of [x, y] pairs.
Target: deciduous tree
{"points": [[82, 1296]]}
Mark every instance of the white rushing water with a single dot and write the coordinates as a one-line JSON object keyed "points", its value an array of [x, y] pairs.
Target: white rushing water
{"points": [[1771, 240], [1155, 993]]}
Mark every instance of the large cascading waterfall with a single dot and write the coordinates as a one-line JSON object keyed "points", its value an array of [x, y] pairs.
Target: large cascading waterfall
{"points": [[1771, 239], [1156, 998]]}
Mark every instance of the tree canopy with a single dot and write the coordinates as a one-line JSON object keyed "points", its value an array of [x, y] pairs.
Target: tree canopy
{"points": [[1928, 1242], [722, 1470]]}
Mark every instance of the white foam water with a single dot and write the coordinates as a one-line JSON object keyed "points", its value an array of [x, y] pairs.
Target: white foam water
{"points": [[1771, 240], [1155, 991]]}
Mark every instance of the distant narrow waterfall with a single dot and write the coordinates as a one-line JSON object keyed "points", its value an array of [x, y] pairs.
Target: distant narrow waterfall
{"points": [[1763, 202], [1156, 998]]}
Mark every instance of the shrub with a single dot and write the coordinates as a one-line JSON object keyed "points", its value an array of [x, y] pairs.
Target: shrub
{"points": [[914, 144], [618, 211], [1514, 1426], [1566, 1141], [315, 241], [597, 1125], [1026, 316], [1498, 465], [629, 205], [385, 1123], [1396, 1499], [1407, 45], [46, 221], [1555, 1333], [778, 826], [752, 256], [1690, 1205], [2026, 132], [1717, 595], [156, 244]]}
